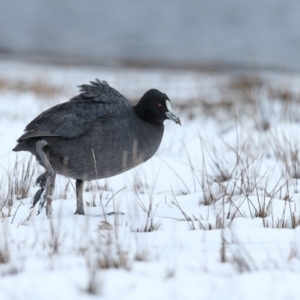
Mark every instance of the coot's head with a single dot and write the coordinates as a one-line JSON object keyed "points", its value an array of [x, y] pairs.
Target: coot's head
{"points": [[155, 107]]}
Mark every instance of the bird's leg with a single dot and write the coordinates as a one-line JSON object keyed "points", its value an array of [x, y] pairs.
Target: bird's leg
{"points": [[50, 195], [46, 181], [79, 186]]}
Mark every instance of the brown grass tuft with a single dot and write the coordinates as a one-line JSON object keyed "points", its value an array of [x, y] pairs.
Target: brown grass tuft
{"points": [[37, 86]]}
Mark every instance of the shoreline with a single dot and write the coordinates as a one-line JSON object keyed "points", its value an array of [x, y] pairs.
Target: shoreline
{"points": [[76, 61]]}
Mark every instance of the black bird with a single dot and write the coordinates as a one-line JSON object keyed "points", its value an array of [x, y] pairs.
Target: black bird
{"points": [[95, 135]]}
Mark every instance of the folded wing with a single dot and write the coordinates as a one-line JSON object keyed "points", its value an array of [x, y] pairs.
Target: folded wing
{"points": [[95, 102]]}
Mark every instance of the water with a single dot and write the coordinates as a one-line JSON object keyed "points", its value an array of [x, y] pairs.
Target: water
{"points": [[235, 33]]}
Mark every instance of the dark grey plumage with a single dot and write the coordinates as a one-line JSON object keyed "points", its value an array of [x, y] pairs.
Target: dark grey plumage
{"points": [[96, 134]]}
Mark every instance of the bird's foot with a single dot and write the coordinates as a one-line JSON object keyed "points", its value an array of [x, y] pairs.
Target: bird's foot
{"points": [[41, 180], [79, 211], [44, 194], [116, 213]]}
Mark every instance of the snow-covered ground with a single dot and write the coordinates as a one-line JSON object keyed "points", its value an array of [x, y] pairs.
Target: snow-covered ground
{"points": [[213, 215]]}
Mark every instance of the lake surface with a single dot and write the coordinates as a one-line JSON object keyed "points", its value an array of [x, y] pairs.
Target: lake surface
{"points": [[234, 33]]}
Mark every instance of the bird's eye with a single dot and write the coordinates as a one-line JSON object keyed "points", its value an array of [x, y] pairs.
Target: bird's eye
{"points": [[159, 104]]}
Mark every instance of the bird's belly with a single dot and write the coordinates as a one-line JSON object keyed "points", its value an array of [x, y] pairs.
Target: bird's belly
{"points": [[88, 161]]}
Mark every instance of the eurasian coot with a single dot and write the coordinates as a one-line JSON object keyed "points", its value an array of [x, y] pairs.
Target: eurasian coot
{"points": [[95, 135]]}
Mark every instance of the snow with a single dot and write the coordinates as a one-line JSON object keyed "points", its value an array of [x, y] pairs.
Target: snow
{"points": [[213, 215]]}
